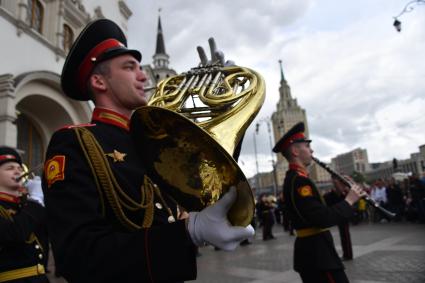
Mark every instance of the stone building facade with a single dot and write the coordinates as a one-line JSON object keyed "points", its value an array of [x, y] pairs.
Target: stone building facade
{"points": [[39, 33]]}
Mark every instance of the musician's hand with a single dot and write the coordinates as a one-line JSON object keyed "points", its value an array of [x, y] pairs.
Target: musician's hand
{"points": [[356, 192], [35, 192], [217, 56], [210, 225]]}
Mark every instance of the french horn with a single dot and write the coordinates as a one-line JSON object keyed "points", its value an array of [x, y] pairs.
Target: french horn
{"points": [[189, 131]]}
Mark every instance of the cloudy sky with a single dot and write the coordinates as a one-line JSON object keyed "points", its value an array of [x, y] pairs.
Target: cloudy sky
{"points": [[361, 83]]}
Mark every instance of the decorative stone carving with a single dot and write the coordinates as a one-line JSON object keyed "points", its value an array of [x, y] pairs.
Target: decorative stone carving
{"points": [[125, 11]]}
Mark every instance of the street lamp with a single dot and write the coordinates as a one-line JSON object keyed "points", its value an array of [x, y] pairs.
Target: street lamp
{"points": [[408, 8], [257, 127]]}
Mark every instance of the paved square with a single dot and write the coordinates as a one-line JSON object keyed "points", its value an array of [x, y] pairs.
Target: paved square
{"points": [[383, 252]]}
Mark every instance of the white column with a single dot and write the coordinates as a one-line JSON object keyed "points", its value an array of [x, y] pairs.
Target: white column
{"points": [[22, 16], [8, 128]]}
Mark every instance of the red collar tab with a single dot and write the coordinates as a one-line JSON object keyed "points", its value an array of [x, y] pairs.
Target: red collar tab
{"points": [[9, 198], [110, 117], [300, 169], [91, 59], [7, 157], [295, 137]]}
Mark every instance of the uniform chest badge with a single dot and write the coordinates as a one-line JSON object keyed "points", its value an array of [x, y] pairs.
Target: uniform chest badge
{"points": [[305, 191], [117, 156], [54, 169]]}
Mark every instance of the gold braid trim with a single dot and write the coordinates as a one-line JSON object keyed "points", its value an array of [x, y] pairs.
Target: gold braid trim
{"points": [[6, 213], [106, 182]]}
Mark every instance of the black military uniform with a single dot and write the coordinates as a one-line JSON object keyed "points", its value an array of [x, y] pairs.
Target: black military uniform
{"points": [[23, 234], [315, 256], [107, 221]]}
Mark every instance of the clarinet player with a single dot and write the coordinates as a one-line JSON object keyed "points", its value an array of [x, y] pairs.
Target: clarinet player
{"points": [[315, 256]]}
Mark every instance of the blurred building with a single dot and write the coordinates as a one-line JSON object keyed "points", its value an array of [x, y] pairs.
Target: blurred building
{"points": [[350, 162], [415, 165], [287, 114], [37, 35], [263, 183]]}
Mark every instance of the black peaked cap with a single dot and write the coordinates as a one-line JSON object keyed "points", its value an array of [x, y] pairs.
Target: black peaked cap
{"points": [[294, 135], [89, 39], [8, 154]]}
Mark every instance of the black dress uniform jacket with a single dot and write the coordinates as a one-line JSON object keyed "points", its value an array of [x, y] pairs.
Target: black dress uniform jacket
{"points": [[308, 211], [89, 243], [23, 240]]}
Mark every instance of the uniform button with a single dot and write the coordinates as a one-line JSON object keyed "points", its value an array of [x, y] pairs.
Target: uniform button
{"points": [[40, 256], [37, 247], [171, 219], [158, 205]]}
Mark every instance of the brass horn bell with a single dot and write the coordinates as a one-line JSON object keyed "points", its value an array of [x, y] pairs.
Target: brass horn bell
{"points": [[189, 135]]}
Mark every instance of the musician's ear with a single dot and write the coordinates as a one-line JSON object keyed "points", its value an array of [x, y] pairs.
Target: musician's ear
{"points": [[294, 150], [97, 82]]}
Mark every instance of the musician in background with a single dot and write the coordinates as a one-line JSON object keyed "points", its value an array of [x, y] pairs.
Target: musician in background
{"points": [[333, 197], [106, 219], [23, 236], [315, 256], [286, 221], [266, 209]]}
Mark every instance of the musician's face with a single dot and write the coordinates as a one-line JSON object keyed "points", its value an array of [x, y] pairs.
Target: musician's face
{"points": [[121, 89], [304, 153], [8, 173]]}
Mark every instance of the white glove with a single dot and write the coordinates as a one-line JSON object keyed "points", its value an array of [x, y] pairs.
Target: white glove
{"points": [[217, 56], [34, 190], [210, 225]]}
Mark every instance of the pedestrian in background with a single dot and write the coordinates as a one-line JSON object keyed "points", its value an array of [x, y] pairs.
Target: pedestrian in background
{"points": [[333, 197]]}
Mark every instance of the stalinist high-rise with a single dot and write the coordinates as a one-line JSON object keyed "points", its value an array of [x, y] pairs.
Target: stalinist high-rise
{"points": [[287, 114]]}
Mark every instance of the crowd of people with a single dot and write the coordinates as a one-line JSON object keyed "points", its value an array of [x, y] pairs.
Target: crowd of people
{"points": [[405, 198]]}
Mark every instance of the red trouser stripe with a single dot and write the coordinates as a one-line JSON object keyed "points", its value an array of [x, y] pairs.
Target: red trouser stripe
{"points": [[330, 277]]}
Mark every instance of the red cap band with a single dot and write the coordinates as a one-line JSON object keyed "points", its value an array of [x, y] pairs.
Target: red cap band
{"points": [[290, 140], [90, 60], [7, 156]]}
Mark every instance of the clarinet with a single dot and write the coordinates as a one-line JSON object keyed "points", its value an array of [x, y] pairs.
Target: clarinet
{"points": [[347, 183]]}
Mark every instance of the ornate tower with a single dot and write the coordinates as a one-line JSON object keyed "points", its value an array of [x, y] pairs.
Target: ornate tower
{"points": [[160, 69], [287, 114], [160, 58]]}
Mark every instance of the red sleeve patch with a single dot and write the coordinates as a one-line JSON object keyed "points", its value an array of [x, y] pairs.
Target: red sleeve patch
{"points": [[305, 191], [54, 169]]}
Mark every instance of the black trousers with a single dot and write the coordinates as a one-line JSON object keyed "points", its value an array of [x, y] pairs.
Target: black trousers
{"points": [[347, 247], [329, 276]]}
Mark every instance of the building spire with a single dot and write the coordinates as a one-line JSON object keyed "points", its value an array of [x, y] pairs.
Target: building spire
{"points": [[282, 77], [160, 58], [160, 46]]}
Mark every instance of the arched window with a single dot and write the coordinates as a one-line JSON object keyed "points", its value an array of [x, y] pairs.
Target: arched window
{"points": [[29, 140], [35, 14], [68, 37]]}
